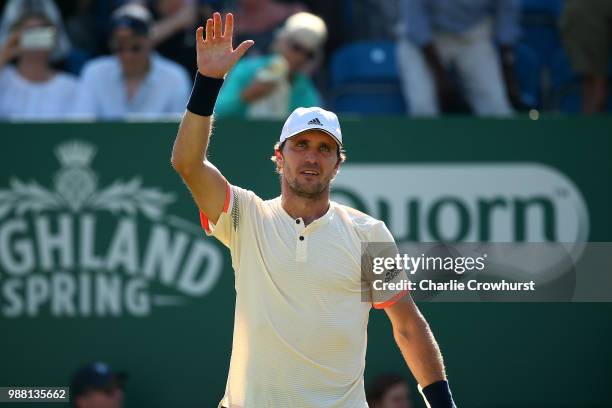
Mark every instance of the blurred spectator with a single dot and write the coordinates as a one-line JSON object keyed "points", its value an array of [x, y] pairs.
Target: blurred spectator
{"points": [[134, 82], [258, 20], [31, 35], [586, 28], [89, 26], [389, 391], [372, 19], [173, 32], [97, 386], [334, 15], [272, 86], [440, 35]]}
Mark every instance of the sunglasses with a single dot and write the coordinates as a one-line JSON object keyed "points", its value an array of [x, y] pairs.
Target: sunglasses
{"points": [[134, 48], [310, 54]]}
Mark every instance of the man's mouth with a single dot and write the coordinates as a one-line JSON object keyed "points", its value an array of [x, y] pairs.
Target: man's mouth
{"points": [[310, 172]]}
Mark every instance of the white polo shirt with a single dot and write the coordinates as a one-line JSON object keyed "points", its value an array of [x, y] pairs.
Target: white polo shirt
{"points": [[301, 310], [102, 92]]}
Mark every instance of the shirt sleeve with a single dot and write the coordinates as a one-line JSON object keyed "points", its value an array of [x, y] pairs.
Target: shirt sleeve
{"points": [[386, 284], [233, 224], [507, 16], [417, 23]]}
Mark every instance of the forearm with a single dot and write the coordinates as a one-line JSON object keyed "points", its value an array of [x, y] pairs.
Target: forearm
{"points": [[194, 131], [421, 352], [256, 91]]}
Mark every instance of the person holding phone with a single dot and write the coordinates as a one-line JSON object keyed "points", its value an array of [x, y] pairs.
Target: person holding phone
{"points": [[271, 86], [31, 88]]}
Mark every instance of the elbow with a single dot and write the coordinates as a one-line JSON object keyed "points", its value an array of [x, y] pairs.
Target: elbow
{"points": [[179, 166], [409, 329], [401, 335]]}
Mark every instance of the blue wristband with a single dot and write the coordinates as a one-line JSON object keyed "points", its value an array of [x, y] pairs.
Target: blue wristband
{"points": [[204, 95], [438, 395]]}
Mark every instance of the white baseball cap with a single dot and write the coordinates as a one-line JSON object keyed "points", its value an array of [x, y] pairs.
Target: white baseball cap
{"points": [[315, 118]]}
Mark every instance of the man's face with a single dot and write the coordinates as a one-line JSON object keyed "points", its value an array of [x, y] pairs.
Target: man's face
{"points": [[111, 397], [132, 50], [308, 163], [297, 54], [395, 397]]}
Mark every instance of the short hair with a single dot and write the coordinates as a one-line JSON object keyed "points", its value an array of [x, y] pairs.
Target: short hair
{"points": [[341, 153], [381, 384], [31, 14]]}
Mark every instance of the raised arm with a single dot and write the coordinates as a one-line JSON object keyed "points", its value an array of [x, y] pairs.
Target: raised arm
{"points": [[216, 57]]}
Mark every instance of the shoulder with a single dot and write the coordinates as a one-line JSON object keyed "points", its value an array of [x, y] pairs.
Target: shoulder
{"points": [[305, 84], [8, 71], [367, 227], [65, 79], [100, 66], [8, 77], [241, 197]]}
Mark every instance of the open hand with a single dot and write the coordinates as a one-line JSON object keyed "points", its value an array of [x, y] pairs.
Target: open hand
{"points": [[216, 55], [10, 49]]}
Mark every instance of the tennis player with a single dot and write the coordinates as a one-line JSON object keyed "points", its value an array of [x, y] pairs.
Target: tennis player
{"points": [[300, 320]]}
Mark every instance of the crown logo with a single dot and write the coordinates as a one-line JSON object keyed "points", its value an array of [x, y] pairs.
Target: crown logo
{"points": [[75, 154]]}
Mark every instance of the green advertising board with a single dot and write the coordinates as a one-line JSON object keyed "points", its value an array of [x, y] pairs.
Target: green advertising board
{"points": [[102, 256]]}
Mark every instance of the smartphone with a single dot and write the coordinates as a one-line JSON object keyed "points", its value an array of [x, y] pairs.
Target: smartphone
{"points": [[40, 38]]}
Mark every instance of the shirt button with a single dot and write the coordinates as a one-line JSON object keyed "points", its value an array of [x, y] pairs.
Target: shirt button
{"points": [[297, 221], [301, 237]]}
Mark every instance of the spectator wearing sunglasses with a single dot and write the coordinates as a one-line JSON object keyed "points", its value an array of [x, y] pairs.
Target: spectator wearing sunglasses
{"points": [[134, 82], [269, 87]]}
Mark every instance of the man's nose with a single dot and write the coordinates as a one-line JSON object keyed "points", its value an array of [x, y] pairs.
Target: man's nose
{"points": [[311, 156]]}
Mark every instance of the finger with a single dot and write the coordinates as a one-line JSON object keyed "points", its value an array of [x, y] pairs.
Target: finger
{"points": [[209, 29], [199, 38], [229, 26], [242, 48], [217, 18]]}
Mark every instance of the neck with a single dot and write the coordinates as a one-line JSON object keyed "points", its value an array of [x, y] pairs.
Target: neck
{"points": [[34, 70], [309, 209], [139, 74]]}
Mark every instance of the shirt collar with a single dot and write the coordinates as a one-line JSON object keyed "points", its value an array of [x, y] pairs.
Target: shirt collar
{"points": [[324, 219]]}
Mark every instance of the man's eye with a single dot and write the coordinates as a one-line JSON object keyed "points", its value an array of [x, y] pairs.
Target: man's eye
{"points": [[325, 148], [301, 144]]}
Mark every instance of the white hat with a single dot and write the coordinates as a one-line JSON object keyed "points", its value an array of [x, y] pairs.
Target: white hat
{"points": [[306, 28], [303, 119]]}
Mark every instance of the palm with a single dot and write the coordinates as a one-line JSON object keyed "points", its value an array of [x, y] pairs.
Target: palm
{"points": [[216, 55]]}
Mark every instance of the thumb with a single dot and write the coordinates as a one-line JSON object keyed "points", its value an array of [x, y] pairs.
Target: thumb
{"points": [[242, 48]]}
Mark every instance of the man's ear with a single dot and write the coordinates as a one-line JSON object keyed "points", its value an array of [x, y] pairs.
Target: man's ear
{"points": [[279, 160]]}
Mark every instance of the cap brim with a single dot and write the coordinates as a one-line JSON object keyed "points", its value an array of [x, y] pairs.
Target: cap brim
{"points": [[339, 143]]}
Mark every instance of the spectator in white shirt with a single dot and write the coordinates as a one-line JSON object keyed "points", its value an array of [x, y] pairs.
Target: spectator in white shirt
{"points": [[134, 82], [32, 89]]}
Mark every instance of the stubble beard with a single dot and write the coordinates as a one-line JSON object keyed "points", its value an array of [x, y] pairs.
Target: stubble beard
{"points": [[311, 192]]}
